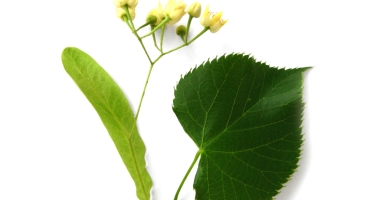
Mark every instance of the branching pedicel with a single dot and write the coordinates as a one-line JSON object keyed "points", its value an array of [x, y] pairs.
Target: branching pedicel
{"points": [[244, 116], [159, 17]]}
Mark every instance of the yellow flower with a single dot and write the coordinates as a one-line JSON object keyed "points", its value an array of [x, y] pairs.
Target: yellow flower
{"points": [[215, 28], [194, 9], [175, 9], [121, 3], [212, 20]]}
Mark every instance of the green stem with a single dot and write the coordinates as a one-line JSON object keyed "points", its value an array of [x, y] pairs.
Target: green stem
{"points": [[192, 40], [183, 38], [188, 28], [125, 17], [147, 78], [199, 34], [143, 93], [162, 38], [154, 40], [130, 24], [143, 46], [167, 18], [146, 24], [187, 173]]}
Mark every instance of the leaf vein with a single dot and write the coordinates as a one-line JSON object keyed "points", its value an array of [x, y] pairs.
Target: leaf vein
{"points": [[236, 180], [253, 167]]}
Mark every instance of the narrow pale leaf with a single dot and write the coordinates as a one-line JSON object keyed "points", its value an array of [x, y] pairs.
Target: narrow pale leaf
{"points": [[246, 118], [114, 111]]}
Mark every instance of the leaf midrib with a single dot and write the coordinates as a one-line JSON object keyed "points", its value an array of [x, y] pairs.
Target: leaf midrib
{"points": [[121, 126]]}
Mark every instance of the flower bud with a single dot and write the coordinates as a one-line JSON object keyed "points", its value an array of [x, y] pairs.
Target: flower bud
{"points": [[194, 9], [181, 31]]}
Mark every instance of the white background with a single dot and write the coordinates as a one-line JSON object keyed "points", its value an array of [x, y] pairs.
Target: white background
{"points": [[54, 146]]}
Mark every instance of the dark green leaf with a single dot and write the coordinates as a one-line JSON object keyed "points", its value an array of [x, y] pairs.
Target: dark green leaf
{"points": [[114, 110], [245, 117]]}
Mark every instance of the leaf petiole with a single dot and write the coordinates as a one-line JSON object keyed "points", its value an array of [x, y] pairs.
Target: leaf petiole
{"points": [[187, 173]]}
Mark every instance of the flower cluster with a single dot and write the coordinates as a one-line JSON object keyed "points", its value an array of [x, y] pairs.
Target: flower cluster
{"points": [[172, 13]]}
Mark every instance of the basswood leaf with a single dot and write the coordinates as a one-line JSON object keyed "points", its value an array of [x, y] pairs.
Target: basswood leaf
{"points": [[245, 117], [114, 111]]}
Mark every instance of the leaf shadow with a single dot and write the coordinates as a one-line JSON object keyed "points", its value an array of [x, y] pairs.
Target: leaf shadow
{"points": [[293, 185]]}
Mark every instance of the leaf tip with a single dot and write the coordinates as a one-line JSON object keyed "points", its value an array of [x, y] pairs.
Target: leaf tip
{"points": [[67, 53], [68, 50]]}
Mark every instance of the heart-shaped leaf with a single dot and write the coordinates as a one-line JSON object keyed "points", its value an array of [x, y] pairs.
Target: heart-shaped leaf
{"points": [[245, 117], [113, 108]]}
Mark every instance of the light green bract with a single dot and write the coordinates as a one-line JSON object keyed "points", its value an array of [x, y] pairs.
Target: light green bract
{"points": [[245, 117], [114, 110]]}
